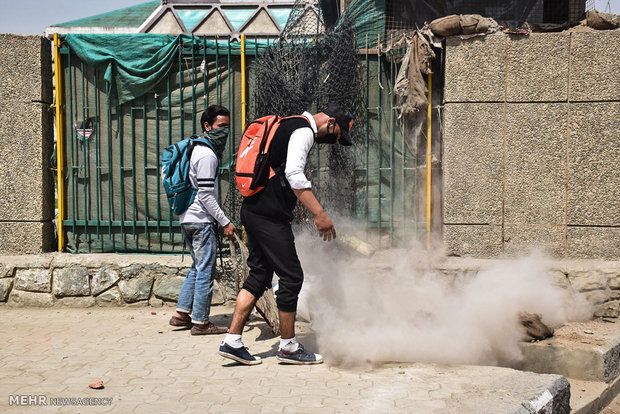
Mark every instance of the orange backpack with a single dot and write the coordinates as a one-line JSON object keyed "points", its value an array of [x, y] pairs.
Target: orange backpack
{"points": [[252, 169]]}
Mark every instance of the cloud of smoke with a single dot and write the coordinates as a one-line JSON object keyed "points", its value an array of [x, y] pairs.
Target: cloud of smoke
{"points": [[389, 308]]}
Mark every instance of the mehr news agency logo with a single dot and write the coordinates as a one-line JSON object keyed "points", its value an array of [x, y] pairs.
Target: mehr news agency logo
{"points": [[43, 400]]}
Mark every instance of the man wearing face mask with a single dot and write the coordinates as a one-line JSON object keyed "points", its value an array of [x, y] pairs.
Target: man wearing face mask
{"points": [[199, 225], [267, 219]]}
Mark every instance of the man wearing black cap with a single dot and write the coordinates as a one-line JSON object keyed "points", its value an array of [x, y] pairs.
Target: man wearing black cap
{"points": [[267, 219]]}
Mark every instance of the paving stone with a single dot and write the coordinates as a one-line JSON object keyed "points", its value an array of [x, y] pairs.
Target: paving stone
{"points": [[103, 279], [71, 281], [33, 280]]}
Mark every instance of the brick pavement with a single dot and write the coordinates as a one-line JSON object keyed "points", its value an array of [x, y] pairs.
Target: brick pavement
{"points": [[150, 367]]}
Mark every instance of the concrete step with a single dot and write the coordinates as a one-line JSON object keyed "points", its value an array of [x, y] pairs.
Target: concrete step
{"points": [[590, 397], [587, 351]]}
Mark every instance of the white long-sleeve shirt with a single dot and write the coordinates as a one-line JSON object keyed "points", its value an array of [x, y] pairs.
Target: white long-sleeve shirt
{"points": [[202, 171], [299, 147]]}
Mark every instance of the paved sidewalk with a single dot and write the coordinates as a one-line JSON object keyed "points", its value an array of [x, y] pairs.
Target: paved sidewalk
{"points": [[150, 367]]}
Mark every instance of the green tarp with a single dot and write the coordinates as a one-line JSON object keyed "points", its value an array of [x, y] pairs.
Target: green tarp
{"points": [[134, 63]]}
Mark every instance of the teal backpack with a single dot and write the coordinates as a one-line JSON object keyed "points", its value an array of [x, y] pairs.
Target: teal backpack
{"points": [[175, 172]]}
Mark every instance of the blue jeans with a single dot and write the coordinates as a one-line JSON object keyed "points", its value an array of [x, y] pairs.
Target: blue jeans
{"points": [[197, 290]]}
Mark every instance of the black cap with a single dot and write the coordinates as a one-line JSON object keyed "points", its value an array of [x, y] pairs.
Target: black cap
{"points": [[343, 118]]}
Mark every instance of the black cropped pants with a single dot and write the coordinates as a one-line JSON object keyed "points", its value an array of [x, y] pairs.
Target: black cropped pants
{"points": [[271, 245]]}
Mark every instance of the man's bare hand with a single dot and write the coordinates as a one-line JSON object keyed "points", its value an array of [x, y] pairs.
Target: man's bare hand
{"points": [[325, 226], [229, 231]]}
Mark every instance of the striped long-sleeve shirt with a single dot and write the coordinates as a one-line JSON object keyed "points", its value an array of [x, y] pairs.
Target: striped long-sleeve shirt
{"points": [[202, 172]]}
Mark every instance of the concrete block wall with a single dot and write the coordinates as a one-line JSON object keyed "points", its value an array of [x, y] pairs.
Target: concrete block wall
{"points": [[26, 144], [531, 145]]}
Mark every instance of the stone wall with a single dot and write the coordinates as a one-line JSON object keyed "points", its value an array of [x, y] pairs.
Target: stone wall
{"points": [[26, 144], [84, 280], [530, 145], [60, 279]]}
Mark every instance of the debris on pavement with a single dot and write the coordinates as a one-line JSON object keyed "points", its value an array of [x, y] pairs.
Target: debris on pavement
{"points": [[96, 384]]}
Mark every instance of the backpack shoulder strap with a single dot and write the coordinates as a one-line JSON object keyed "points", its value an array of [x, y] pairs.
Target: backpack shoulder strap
{"points": [[199, 140]]}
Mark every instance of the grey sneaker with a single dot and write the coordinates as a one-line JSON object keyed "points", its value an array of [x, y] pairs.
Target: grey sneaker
{"points": [[299, 357], [240, 355]]}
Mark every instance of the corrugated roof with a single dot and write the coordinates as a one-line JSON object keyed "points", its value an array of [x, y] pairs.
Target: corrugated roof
{"points": [[132, 16]]}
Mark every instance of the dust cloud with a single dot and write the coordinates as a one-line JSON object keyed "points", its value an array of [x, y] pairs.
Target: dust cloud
{"points": [[393, 307]]}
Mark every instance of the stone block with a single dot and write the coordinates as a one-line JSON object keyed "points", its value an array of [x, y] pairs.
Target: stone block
{"points": [[535, 164], [470, 240], [537, 67], [593, 242], [21, 298], [26, 130], [593, 159], [5, 288], [596, 297], [587, 280], [472, 163], [136, 289], [111, 297], [594, 66], [139, 304], [609, 309], [584, 359], [103, 279], [120, 261], [33, 280], [7, 270], [559, 279], [26, 237], [29, 261], [219, 294], [156, 303], [20, 55], [523, 239], [131, 271], [475, 69], [71, 281], [26, 181], [168, 288], [76, 302]]}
